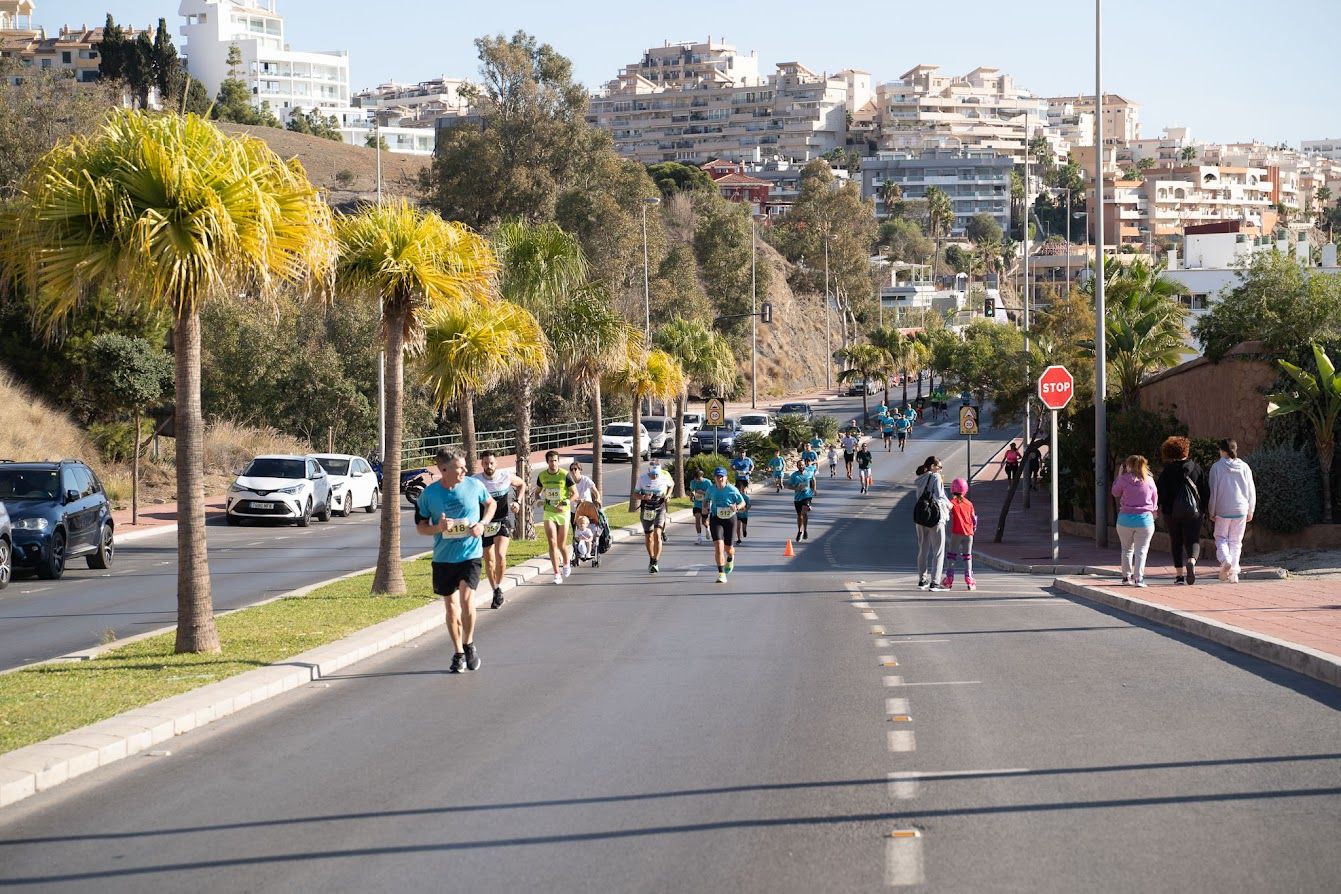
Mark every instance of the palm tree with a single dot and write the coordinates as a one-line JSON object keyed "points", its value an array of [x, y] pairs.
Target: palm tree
{"points": [[469, 347], [705, 356], [590, 341], [1144, 328], [864, 362], [1318, 398], [940, 216], [170, 213], [893, 343], [646, 375], [890, 195], [540, 267], [1189, 153], [411, 262]]}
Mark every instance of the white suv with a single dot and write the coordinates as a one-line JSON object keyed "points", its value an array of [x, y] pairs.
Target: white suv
{"points": [[289, 488], [353, 483], [617, 441], [758, 423]]}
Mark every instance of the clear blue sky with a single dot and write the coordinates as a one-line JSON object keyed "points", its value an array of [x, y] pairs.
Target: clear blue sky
{"points": [[1231, 70]]}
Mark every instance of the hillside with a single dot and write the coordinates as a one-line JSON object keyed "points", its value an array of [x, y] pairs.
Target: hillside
{"points": [[325, 159], [791, 349]]}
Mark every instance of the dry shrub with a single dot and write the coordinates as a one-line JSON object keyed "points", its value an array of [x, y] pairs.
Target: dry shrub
{"points": [[30, 430], [229, 446]]}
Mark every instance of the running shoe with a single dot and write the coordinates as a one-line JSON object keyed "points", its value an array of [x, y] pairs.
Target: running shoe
{"points": [[472, 657], [721, 577], [458, 663], [933, 586], [652, 568], [699, 541], [730, 565], [947, 582], [567, 570], [498, 597], [1179, 580], [971, 583], [1140, 583], [558, 578], [1191, 574]]}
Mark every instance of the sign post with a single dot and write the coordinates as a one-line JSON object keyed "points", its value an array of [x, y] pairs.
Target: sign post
{"points": [[715, 412], [1056, 387], [968, 427]]}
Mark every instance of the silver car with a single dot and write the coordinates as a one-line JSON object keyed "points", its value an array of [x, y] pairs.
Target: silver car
{"points": [[6, 548]]}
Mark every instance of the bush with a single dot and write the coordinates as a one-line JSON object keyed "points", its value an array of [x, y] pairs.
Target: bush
{"points": [[1289, 489], [707, 462], [759, 448], [1205, 452], [115, 440], [826, 427], [792, 430]]}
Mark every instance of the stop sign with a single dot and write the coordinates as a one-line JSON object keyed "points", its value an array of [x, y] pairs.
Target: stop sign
{"points": [[1056, 387]]}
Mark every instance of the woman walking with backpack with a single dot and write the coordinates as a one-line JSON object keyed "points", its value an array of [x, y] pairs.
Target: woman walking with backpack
{"points": [[931, 514], [1182, 505], [1137, 500]]}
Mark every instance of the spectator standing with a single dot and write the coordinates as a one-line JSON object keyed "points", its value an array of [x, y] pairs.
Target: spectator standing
{"points": [[931, 539], [1232, 502], [1182, 502], [1137, 499]]}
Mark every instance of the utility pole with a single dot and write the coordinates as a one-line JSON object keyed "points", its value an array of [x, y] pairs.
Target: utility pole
{"points": [[754, 319], [1028, 150], [381, 355], [828, 337], [647, 289], [1100, 329], [1068, 240]]}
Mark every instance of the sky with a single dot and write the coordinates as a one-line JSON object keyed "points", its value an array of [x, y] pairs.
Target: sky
{"points": [[1231, 70]]}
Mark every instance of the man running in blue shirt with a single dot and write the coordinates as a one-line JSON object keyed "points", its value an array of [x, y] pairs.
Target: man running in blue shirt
{"points": [[454, 510], [776, 467], [902, 424], [802, 481], [723, 502], [810, 460], [742, 466]]}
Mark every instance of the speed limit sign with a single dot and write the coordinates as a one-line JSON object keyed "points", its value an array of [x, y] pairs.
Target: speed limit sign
{"points": [[715, 414]]}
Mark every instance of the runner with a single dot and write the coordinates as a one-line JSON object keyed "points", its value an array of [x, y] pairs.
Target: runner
{"points": [[833, 461], [776, 466], [810, 460], [508, 491], [654, 486], [850, 444], [816, 443], [901, 426], [742, 466], [698, 485], [887, 431], [743, 519], [802, 481], [864, 460], [455, 510], [723, 502], [556, 487]]}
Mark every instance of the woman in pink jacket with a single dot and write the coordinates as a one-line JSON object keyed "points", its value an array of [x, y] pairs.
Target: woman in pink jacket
{"points": [[1137, 499]]}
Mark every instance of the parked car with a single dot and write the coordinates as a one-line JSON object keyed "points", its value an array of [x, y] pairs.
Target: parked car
{"points": [[288, 488], [57, 511], [617, 441], [860, 387], [757, 423], [797, 409], [354, 484], [715, 438], [693, 422], [660, 433], [6, 548]]}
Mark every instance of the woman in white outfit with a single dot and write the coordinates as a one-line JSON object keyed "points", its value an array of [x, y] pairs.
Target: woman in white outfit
{"points": [[1233, 500], [931, 541]]}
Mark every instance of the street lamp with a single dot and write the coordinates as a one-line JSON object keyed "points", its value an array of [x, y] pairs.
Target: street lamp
{"points": [[1100, 330], [647, 289], [754, 319], [828, 337]]}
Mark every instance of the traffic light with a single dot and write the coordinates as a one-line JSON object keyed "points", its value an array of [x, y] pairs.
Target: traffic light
{"points": [[766, 312], [988, 307]]}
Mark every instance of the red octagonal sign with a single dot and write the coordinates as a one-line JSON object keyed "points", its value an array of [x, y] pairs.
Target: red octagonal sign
{"points": [[1056, 387]]}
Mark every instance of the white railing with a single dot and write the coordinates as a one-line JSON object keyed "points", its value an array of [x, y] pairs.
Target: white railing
{"points": [[420, 451]]}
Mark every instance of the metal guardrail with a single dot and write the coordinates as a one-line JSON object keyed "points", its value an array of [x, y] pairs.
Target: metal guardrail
{"points": [[420, 451]]}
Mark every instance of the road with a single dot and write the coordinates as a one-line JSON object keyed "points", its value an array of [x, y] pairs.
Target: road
{"points": [[636, 733], [45, 619]]}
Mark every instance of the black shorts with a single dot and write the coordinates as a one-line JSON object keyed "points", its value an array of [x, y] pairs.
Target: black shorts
{"points": [[888, 435], [847, 457], [448, 576], [742, 483], [803, 504], [723, 529], [903, 436], [505, 528]]}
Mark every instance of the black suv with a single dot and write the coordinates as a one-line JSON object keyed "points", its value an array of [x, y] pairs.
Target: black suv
{"points": [[58, 511]]}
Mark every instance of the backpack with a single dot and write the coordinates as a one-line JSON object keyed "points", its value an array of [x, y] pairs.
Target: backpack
{"points": [[1186, 501], [927, 511]]}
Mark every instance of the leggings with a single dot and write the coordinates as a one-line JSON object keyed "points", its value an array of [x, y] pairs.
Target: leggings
{"points": [[1184, 540], [1135, 544], [961, 547]]}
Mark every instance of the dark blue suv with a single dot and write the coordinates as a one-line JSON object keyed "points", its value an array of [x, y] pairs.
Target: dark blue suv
{"points": [[58, 511]]}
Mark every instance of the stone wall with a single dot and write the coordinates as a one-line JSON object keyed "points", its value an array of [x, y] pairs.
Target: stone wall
{"points": [[1217, 400]]}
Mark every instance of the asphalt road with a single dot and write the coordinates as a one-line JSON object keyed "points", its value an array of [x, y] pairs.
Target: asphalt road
{"points": [[636, 733], [45, 619]]}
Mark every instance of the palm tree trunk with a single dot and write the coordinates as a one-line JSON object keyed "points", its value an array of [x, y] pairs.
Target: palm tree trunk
{"points": [[195, 605], [635, 461], [905, 386], [525, 389], [865, 408], [389, 578], [679, 442], [1326, 450], [597, 423], [135, 475], [469, 442]]}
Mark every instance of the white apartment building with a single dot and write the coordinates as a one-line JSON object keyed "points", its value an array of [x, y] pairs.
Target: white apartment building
{"points": [[1171, 148], [693, 102], [406, 115], [1073, 127], [1122, 117], [1329, 148], [976, 182], [277, 76], [982, 110]]}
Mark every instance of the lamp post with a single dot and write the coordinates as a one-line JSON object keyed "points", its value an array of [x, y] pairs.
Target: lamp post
{"points": [[647, 289], [381, 355], [754, 319], [1028, 407], [1100, 330], [828, 337]]}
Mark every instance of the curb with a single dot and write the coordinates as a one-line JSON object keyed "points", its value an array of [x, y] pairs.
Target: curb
{"points": [[142, 533], [1096, 570], [1321, 666], [45, 765]]}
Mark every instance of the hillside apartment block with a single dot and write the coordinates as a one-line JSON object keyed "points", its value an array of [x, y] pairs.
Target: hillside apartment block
{"points": [[73, 50]]}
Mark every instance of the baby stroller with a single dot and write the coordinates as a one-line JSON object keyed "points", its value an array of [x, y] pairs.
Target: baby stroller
{"points": [[600, 541]]}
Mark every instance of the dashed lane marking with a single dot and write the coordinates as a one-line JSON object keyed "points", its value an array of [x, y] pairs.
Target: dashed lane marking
{"points": [[896, 706], [888, 661], [903, 786], [943, 683], [893, 681], [902, 641], [870, 616], [901, 740], [882, 643], [878, 630], [863, 606]]}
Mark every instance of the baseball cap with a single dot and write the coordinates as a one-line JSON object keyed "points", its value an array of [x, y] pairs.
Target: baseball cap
{"points": [[719, 471]]}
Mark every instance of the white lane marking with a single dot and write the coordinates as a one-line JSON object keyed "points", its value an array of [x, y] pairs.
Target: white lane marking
{"points": [[693, 570], [903, 861], [944, 683], [893, 681], [901, 740], [852, 588], [870, 616], [946, 774], [861, 605], [902, 641], [903, 786], [896, 706], [888, 661], [878, 630], [882, 643]]}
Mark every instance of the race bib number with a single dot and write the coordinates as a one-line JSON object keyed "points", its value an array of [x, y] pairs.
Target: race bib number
{"points": [[650, 515], [726, 512], [492, 529], [554, 495], [457, 528]]}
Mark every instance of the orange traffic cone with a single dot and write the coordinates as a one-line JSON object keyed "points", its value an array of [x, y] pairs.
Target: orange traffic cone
{"points": [[788, 553]]}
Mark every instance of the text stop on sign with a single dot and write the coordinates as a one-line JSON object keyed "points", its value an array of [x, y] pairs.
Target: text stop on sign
{"points": [[1056, 387]]}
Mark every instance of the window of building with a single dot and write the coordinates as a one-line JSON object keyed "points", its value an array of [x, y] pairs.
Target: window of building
{"points": [[65, 57]]}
